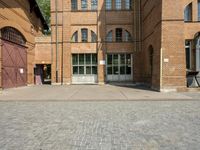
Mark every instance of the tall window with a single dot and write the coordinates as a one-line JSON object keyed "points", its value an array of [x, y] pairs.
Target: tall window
{"points": [[118, 4], [75, 37], [93, 37], [84, 64], [118, 34], [84, 34], [108, 4], [127, 37], [119, 64], [74, 5], [198, 10], [94, 4], [188, 13], [109, 37], [188, 54], [128, 4], [84, 4]]}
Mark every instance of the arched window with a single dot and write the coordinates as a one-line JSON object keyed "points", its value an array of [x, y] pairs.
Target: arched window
{"points": [[188, 13], [94, 4], [127, 4], [127, 37], [118, 35], [75, 37], [13, 35], [93, 37], [84, 4], [74, 5], [84, 35], [109, 37]]}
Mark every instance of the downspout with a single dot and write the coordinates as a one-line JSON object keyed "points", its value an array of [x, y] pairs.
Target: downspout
{"points": [[56, 5], [62, 73]]}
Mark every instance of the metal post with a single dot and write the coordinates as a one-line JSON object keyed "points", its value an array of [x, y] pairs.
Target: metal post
{"points": [[198, 54], [56, 5]]}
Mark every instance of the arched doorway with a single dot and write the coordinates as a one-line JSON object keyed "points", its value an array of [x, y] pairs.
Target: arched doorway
{"points": [[14, 58]]}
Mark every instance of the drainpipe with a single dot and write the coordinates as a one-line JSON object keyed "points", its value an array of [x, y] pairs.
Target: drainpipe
{"points": [[56, 5], [198, 55]]}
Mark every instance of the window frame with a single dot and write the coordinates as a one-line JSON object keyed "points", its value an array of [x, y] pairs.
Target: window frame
{"points": [[75, 37], [109, 36], [128, 4], [74, 5], [84, 5], [118, 4], [118, 38], [93, 37], [85, 65], [108, 4], [188, 13], [94, 4], [84, 39]]}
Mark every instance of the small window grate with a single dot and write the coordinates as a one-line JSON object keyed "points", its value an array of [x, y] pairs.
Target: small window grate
{"points": [[13, 35]]}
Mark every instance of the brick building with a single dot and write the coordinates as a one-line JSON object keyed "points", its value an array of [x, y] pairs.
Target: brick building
{"points": [[98, 41], [20, 22]]}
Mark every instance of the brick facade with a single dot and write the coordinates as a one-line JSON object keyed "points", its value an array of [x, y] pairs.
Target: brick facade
{"points": [[158, 48], [157, 28], [18, 14]]}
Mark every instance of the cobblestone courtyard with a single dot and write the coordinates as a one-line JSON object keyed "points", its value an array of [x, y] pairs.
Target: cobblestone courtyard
{"points": [[100, 125]]}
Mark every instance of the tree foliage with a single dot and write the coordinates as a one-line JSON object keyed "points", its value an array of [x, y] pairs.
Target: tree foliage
{"points": [[45, 8]]}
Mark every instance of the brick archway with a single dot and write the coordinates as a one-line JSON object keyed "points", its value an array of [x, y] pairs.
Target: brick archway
{"points": [[14, 58]]}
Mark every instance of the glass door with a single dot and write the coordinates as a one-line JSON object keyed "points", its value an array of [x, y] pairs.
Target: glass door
{"points": [[119, 67]]}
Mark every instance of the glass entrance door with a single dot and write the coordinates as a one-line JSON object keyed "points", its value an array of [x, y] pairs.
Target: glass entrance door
{"points": [[119, 67]]}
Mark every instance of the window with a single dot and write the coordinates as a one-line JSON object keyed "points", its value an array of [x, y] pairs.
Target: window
{"points": [[188, 13], [197, 53], [118, 34], [109, 36], [198, 10], [74, 5], [75, 37], [118, 4], [84, 4], [127, 37], [84, 34], [128, 4], [119, 64], [84, 64], [13, 35], [188, 54], [93, 37], [94, 4], [108, 4]]}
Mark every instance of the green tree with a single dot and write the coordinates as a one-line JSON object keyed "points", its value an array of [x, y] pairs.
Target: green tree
{"points": [[45, 8]]}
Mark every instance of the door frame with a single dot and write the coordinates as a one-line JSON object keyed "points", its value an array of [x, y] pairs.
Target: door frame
{"points": [[119, 77]]}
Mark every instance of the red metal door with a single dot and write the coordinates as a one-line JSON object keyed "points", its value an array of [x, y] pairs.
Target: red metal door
{"points": [[14, 65]]}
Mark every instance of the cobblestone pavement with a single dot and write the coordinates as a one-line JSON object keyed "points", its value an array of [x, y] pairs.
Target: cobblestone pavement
{"points": [[100, 125]]}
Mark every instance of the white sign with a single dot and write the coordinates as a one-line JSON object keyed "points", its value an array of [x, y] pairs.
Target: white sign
{"points": [[102, 62], [166, 60], [21, 70]]}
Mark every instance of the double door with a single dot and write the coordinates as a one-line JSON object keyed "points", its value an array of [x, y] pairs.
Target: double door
{"points": [[119, 67]]}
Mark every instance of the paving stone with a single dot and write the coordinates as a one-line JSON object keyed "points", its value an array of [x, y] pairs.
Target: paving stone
{"points": [[105, 125]]}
